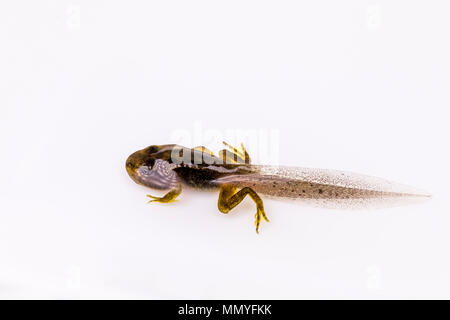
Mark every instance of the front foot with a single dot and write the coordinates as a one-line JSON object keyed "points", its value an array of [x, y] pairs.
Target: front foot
{"points": [[168, 197]]}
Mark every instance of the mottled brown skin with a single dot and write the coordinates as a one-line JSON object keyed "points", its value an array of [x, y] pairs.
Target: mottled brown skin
{"points": [[156, 167], [198, 175]]}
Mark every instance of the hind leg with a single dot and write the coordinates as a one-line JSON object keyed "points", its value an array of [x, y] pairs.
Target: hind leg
{"points": [[229, 198]]}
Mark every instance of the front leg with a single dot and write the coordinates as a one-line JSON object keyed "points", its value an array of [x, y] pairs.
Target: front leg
{"points": [[229, 198], [168, 197]]}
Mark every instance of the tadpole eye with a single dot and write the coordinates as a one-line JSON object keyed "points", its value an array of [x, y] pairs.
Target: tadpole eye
{"points": [[152, 149]]}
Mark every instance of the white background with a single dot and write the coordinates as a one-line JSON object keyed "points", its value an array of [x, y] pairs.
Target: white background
{"points": [[353, 85]]}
